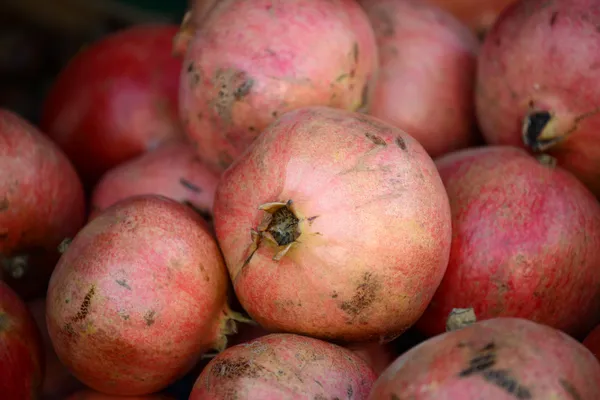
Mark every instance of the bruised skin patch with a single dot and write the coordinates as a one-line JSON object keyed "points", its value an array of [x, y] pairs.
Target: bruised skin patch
{"points": [[236, 368], [364, 296], [232, 85]]}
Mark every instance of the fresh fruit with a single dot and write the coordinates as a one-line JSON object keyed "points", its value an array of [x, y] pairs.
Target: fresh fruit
{"points": [[526, 242], [334, 225], [536, 83], [286, 366], [172, 170], [21, 356], [500, 358], [273, 57], [138, 296], [592, 341], [377, 356], [427, 73], [116, 99], [41, 204], [58, 381]]}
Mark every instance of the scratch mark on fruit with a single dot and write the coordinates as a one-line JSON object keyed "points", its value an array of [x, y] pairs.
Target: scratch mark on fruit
{"points": [[189, 185], [318, 383], [355, 52], [570, 389], [311, 219], [4, 204], [123, 282], [400, 142], [84, 309], [350, 391], [149, 317], [235, 368], [375, 139], [364, 296], [481, 364]]}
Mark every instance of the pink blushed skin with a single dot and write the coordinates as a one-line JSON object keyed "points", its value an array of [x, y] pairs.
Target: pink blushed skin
{"points": [[286, 366], [544, 56], [500, 359], [137, 297], [374, 221], [427, 73], [273, 57], [173, 170], [526, 242]]}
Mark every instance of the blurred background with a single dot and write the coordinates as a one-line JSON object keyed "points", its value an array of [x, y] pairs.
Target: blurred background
{"points": [[38, 37]]}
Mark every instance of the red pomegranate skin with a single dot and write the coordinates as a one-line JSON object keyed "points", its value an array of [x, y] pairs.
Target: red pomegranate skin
{"points": [[371, 250], [426, 75], [116, 99], [173, 170], [526, 242], [137, 297], [284, 366], [499, 359], [93, 395], [41, 202], [543, 56], [272, 58], [21, 354], [592, 341]]}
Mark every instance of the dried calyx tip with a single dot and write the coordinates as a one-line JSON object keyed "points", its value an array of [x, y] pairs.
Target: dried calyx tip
{"points": [[460, 318], [540, 131]]}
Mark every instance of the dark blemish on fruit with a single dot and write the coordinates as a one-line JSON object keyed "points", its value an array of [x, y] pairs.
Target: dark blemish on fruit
{"points": [[235, 368], [482, 364], [284, 226], [364, 296], [190, 67], [570, 389], [274, 114], [334, 295], [394, 396], [355, 52], [233, 85], [4, 204], [534, 126], [375, 139], [311, 219], [553, 18], [400, 143], [123, 282], [149, 317], [243, 90], [252, 129], [318, 383], [84, 309], [350, 391], [503, 380], [189, 185]]}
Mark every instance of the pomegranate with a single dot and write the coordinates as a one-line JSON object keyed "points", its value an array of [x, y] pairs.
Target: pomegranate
{"points": [[172, 170], [526, 242], [138, 296], [92, 395], [272, 58], [351, 207], [378, 356], [286, 366], [427, 73], [536, 85], [116, 99], [21, 356], [499, 358], [41, 203]]}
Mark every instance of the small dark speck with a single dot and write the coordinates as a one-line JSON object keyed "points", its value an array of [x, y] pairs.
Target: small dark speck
{"points": [[400, 143], [190, 67], [311, 219], [350, 391], [553, 18], [252, 129], [334, 295], [189, 185], [274, 114], [123, 282], [149, 317]]}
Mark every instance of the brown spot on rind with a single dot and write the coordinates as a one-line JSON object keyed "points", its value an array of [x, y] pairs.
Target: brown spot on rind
{"points": [[350, 391], [235, 368], [400, 142], [84, 309], [364, 297], [311, 219], [570, 389], [189, 185], [123, 282], [233, 85], [150, 317], [375, 139]]}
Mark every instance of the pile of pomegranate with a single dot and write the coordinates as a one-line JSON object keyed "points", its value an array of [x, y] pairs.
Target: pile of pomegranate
{"points": [[345, 199]]}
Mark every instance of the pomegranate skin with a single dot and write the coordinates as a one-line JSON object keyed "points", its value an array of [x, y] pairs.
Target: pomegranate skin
{"points": [[116, 99], [92, 395], [366, 236], [592, 341], [499, 359], [138, 295], [173, 170], [541, 57], [526, 242], [273, 57], [284, 366], [21, 355], [41, 204], [426, 75]]}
